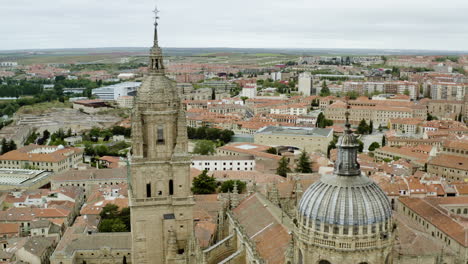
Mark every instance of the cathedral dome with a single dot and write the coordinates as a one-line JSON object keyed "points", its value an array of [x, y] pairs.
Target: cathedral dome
{"points": [[346, 197], [342, 200], [157, 88]]}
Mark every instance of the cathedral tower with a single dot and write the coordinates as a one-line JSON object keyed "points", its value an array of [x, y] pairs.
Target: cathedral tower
{"points": [[159, 188]]}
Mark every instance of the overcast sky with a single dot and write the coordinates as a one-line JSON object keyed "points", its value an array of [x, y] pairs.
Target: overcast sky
{"points": [[381, 24]]}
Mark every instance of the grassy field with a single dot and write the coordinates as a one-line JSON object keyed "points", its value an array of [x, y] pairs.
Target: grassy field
{"points": [[66, 59], [43, 107], [266, 55]]}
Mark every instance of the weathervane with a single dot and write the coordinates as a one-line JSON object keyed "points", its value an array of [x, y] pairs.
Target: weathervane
{"points": [[156, 17]]}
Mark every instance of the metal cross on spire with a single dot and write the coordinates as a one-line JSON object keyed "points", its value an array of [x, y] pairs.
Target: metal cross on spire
{"points": [[156, 17]]}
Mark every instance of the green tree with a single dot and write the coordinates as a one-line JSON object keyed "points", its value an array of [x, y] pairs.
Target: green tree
{"points": [[374, 146], [304, 165], [361, 146], [363, 128], [112, 225], [283, 167], [244, 98], [109, 211], [101, 150], [204, 184], [323, 122], [204, 147], [125, 217], [383, 141], [272, 150], [45, 135], [431, 117], [225, 136], [406, 92], [315, 102], [118, 226], [228, 186], [332, 145], [325, 91], [106, 225], [31, 139], [371, 127], [352, 95], [4, 146]]}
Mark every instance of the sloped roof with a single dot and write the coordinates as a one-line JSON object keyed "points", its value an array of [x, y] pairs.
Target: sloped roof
{"points": [[263, 228]]}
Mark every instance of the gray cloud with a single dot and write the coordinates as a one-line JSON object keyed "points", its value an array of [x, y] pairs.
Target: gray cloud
{"points": [[396, 24]]}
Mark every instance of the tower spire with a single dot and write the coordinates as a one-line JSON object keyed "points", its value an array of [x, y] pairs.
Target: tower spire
{"points": [[156, 17], [156, 65]]}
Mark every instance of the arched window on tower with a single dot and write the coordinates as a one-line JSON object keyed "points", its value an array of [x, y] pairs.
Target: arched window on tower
{"points": [[323, 261], [148, 190], [171, 187], [160, 134]]}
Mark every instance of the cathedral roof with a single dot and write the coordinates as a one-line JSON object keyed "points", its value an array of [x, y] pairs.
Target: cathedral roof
{"points": [[158, 89], [343, 200], [256, 215]]}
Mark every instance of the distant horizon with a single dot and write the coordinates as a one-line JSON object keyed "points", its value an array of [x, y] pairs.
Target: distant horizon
{"points": [[378, 51]]}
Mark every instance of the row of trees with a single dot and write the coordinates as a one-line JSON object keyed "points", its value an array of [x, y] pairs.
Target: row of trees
{"points": [[16, 88], [117, 149], [364, 128], [303, 165], [221, 135], [323, 122], [205, 184], [10, 87], [7, 146]]}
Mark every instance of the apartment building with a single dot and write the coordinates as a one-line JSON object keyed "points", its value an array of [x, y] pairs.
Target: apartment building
{"points": [[306, 84], [223, 163], [310, 139], [409, 126], [443, 218], [448, 91], [379, 111], [48, 158], [446, 109], [296, 109], [391, 87], [452, 162]]}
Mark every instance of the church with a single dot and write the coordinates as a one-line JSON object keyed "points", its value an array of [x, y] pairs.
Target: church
{"points": [[343, 218]]}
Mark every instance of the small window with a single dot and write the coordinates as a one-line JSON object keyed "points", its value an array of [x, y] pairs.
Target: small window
{"points": [[160, 134], [171, 187], [148, 190]]}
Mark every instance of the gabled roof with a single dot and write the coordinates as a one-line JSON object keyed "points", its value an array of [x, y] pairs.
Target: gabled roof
{"points": [[263, 228]]}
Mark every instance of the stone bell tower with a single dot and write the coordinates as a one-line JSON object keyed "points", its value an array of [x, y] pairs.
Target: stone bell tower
{"points": [[159, 188]]}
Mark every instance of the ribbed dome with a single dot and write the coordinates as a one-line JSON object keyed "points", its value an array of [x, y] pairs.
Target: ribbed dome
{"points": [[157, 92], [342, 200]]}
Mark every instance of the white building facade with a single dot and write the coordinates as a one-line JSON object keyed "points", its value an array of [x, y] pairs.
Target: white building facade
{"points": [[223, 163]]}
